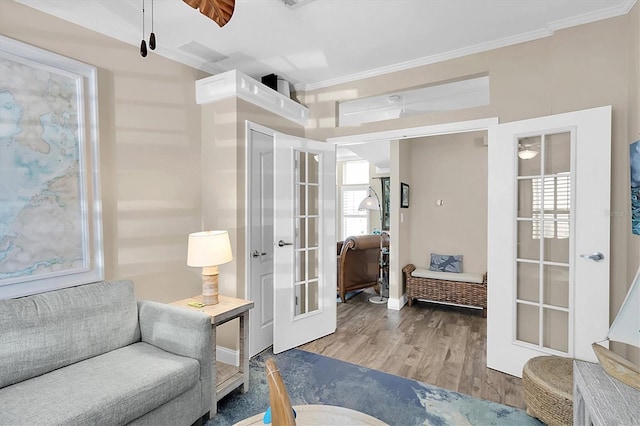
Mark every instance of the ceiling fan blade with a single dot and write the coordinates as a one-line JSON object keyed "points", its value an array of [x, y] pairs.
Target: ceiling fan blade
{"points": [[220, 11]]}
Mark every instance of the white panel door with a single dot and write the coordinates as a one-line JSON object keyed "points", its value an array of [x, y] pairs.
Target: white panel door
{"points": [[261, 240], [304, 241], [548, 237]]}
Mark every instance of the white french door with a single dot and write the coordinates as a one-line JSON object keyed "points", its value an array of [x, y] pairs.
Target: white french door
{"points": [[548, 237], [304, 241]]}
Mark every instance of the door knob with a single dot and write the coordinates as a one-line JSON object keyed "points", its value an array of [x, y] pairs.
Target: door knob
{"points": [[282, 244], [256, 253], [596, 257]]}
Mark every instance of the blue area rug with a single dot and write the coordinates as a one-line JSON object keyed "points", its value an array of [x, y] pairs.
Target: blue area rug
{"points": [[316, 379], [348, 295]]}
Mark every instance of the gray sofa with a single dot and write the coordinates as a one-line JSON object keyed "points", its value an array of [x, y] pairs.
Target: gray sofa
{"points": [[93, 355]]}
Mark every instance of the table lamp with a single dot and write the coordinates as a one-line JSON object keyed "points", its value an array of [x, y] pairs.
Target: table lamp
{"points": [[207, 250]]}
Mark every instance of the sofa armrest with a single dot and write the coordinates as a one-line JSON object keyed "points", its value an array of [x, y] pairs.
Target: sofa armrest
{"points": [[182, 332]]}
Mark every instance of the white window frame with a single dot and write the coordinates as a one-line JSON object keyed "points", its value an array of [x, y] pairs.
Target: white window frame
{"points": [[551, 198], [364, 186], [362, 213]]}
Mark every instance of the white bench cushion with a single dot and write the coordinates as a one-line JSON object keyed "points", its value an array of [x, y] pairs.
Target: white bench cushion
{"points": [[467, 277]]}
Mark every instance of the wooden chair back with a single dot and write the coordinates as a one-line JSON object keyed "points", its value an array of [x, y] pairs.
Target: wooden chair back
{"points": [[281, 409]]}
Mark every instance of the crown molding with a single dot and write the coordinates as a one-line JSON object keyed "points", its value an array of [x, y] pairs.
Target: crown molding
{"points": [[427, 60], [610, 12], [97, 25]]}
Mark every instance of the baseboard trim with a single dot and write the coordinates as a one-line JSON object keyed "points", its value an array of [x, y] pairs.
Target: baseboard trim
{"points": [[397, 303], [228, 356]]}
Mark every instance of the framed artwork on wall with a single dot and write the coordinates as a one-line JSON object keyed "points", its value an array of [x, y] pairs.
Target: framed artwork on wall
{"points": [[385, 183], [50, 223], [404, 195], [634, 160]]}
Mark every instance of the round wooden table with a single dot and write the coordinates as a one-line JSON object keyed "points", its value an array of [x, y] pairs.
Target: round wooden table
{"points": [[321, 415]]}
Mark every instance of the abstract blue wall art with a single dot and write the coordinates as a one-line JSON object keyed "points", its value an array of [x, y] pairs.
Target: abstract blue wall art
{"points": [[634, 160]]}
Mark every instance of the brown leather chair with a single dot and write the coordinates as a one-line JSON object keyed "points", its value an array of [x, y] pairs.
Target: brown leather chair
{"points": [[358, 263]]}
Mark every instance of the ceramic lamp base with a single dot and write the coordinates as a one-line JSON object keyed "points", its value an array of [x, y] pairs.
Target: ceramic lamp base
{"points": [[210, 285]]}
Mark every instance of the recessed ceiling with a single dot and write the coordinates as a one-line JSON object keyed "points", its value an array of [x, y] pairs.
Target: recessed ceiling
{"points": [[325, 42]]}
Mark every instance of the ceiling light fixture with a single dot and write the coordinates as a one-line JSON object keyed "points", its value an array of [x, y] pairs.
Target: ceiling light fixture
{"points": [[152, 37], [527, 153], [143, 45]]}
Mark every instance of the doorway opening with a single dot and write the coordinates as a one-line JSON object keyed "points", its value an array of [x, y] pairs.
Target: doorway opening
{"points": [[399, 229], [290, 223]]}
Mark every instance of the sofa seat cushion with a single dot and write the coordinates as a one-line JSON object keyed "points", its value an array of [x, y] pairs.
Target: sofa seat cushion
{"points": [[466, 277], [113, 388]]}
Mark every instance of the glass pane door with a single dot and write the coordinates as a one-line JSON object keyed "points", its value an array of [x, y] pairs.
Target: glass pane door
{"points": [[304, 240], [306, 243], [549, 190], [543, 293]]}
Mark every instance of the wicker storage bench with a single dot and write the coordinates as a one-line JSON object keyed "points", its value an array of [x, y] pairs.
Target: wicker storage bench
{"points": [[446, 291]]}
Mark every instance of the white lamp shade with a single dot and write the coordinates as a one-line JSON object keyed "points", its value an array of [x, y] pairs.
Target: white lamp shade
{"points": [[369, 203], [209, 248]]}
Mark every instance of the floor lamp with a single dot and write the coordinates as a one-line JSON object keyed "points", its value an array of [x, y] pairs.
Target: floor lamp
{"points": [[372, 202]]}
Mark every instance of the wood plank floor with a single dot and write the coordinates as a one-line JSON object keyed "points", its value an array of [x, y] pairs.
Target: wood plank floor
{"points": [[441, 345]]}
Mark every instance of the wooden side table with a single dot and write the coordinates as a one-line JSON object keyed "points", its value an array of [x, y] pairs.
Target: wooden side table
{"points": [[229, 308], [601, 400]]}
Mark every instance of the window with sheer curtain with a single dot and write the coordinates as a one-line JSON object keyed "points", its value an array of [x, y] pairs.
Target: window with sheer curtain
{"points": [[353, 189]]}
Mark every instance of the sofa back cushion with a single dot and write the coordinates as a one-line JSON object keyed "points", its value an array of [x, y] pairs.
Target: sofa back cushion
{"points": [[43, 332]]}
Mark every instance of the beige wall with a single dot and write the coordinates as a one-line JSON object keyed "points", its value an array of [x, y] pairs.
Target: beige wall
{"points": [[168, 166], [223, 186], [401, 168], [150, 137], [220, 182], [577, 68], [149, 130], [451, 168]]}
